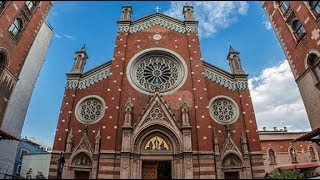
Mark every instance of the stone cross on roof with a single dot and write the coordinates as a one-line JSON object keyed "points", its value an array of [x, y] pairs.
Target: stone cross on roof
{"points": [[157, 8]]}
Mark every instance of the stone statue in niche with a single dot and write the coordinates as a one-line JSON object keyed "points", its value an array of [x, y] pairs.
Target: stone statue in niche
{"points": [[69, 142], [244, 144], [185, 114], [128, 113]]}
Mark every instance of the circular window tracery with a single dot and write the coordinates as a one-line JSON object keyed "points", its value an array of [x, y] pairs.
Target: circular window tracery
{"points": [[90, 109], [223, 110], [156, 70]]}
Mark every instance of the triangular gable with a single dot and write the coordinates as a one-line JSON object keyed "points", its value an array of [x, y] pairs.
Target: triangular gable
{"points": [[229, 145], [157, 112], [84, 145], [158, 19]]}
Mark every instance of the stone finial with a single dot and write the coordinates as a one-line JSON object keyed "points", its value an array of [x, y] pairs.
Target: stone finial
{"points": [[234, 61], [188, 13], [126, 13]]}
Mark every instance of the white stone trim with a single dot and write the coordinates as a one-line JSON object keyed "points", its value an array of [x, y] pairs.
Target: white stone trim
{"points": [[83, 99], [229, 83], [236, 116], [157, 20], [89, 80], [184, 70]]}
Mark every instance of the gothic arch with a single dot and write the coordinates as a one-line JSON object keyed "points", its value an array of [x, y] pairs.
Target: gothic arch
{"points": [[269, 149], [172, 138], [311, 51], [78, 154], [4, 58], [231, 160]]}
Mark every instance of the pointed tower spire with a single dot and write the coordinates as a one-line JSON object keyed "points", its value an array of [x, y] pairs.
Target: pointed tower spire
{"points": [[79, 60], [234, 61]]}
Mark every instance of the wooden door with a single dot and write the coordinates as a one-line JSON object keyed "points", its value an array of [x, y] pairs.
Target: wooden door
{"points": [[149, 170], [231, 175], [81, 175]]}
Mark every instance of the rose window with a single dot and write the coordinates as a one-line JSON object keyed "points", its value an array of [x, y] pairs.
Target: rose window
{"points": [[223, 110], [90, 110], [156, 72]]}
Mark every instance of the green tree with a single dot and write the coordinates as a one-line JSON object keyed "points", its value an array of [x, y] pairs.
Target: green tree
{"points": [[285, 174]]}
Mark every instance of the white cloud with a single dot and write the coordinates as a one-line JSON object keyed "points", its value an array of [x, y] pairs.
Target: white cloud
{"points": [[276, 99], [267, 25], [62, 35], [212, 15]]}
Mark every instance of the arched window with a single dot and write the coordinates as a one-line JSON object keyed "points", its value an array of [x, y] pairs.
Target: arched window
{"points": [[293, 154], [298, 29], [315, 7], [314, 64], [15, 27], [312, 153], [2, 3], [31, 4], [284, 5], [272, 157], [2, 59]]}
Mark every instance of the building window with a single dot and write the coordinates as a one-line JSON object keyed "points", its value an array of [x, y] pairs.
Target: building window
{"points": [[31, 4], [315, 7], [293, 154], [298, 29], [284, 6], [312, 154], [15, 27], [272, 157], [2, 3], [2, 59], [23, 152], [314, 64]]}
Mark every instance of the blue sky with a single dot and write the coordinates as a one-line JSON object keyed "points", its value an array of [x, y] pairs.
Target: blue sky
{"points": [[242, 24]]}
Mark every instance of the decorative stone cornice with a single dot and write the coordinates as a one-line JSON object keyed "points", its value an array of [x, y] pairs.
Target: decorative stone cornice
{"points": [[224, 78], [158, 19], [89, 78]]}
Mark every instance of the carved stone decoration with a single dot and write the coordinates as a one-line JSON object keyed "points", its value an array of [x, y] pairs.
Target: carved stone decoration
{"points": [[69, 142], [187, 141], [185, 114], [157, 69], [223, 110], [81, 159], [244, 144], [90, 109], [97, 143], [188, 168], [125, 141], [128, 113], [231, 161], [124, 168]]}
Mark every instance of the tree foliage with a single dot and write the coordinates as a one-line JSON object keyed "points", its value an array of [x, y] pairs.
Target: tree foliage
{"points": [[285, 174]]}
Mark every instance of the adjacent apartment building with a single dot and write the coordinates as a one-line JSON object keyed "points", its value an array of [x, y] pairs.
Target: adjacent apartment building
{"points": [[24, 41]]}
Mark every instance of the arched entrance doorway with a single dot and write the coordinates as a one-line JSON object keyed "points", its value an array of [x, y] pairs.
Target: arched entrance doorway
{"points": [[81, 166], [231, 167]]}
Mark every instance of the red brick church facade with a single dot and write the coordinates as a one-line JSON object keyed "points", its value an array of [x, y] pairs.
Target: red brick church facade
{"points": [[157, 109]]}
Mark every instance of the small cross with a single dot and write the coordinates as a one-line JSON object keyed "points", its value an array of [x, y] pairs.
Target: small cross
{"points": [[157, 8]]}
